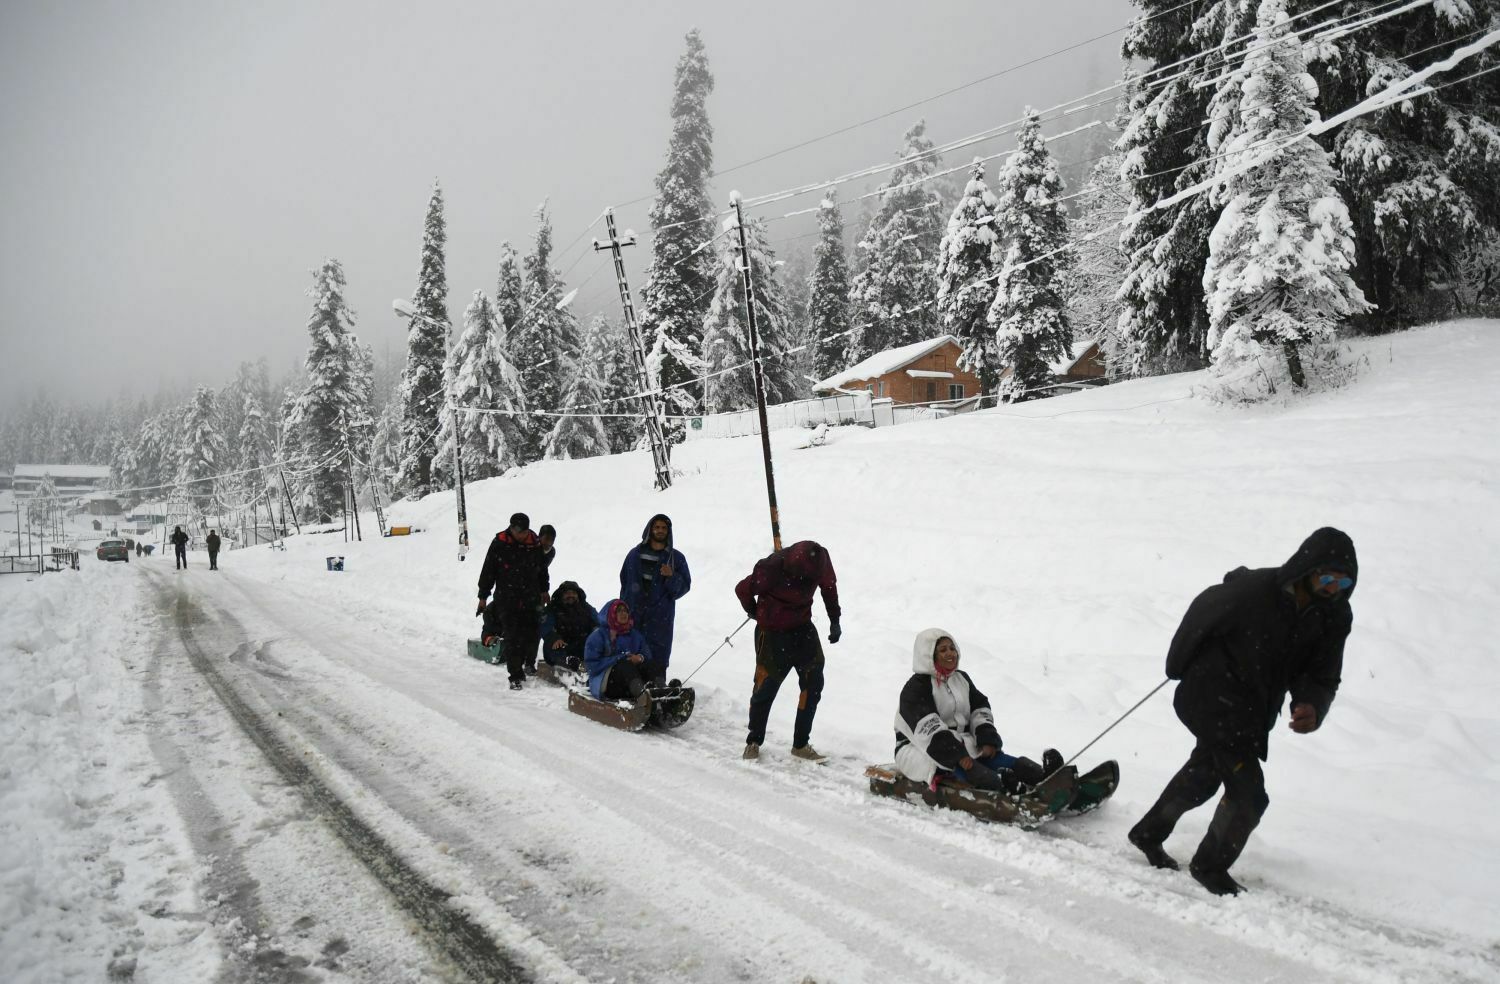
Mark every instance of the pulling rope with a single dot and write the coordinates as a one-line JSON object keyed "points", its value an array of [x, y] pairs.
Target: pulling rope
{"points": [[1107, 730], [711, 655]]}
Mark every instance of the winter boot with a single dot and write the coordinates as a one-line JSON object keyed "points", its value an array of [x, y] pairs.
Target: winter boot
{"points": [[809, 754], [1052, 760], [515, 685], [751, 752], [1215, 880], [1158, 857]]}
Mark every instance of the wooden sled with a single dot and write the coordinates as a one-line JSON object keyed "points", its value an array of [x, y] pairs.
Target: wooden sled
{"points": [[1021, 809], [665, 708], [486, 654]]}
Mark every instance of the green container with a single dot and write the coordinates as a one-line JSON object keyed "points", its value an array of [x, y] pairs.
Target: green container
{"points": [[486, 654]]}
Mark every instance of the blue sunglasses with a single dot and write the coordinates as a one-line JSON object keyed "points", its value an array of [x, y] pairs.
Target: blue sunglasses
{"points": [[1344, 583]]}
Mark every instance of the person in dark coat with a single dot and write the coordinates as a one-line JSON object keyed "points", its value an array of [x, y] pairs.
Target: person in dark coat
{"points": [[212, 542], [1241, 647], [618, 656], [566, 626], [545, 538], [652, 578], [179, 541], [946, 728], [778, 594], [513, 568]]}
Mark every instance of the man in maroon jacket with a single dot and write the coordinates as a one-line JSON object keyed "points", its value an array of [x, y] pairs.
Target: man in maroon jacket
{"points": [[778, 594]]}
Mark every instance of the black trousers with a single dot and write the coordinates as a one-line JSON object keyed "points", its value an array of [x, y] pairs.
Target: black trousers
{"points": [[181, 553], [213, 560], [1240, 808], [625, 681], [521, 632], [777, 653]]}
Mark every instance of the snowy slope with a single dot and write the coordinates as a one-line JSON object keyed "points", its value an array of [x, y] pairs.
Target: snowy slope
{"points": [[1059, 541]]}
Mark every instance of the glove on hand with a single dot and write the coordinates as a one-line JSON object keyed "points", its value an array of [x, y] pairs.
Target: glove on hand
{"points": [[834, 632], [480, 609]]}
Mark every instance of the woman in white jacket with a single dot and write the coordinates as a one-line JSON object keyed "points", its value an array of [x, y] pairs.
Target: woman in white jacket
{"points": [[945, 726]]}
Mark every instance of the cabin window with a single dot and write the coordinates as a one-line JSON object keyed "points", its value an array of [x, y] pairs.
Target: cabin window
{"points": [[955, 391], [931, 392]]}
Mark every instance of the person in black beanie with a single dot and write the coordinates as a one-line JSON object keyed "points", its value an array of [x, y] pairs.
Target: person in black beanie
{"points": [[1241, 647], [514, 569]]}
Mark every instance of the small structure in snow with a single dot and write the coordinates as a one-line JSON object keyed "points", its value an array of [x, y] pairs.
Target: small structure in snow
{"points": [[922, 372]]}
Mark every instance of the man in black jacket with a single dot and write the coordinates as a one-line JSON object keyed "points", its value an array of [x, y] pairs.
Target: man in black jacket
{"points": [[212, 542], [513, 567], [179, 541], [1241, 647]]}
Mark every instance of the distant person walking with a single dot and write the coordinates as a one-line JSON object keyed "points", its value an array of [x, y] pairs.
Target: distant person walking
{"points": [[514, 569], [652, 578], [179, 546], [778, 594], [212, 541], [1241, 647]]}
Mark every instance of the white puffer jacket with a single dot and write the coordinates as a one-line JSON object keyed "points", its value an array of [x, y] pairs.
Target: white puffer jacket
{"points": [[938, 723]]}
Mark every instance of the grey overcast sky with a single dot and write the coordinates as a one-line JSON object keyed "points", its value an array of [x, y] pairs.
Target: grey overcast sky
{"points": [[172, 171]]}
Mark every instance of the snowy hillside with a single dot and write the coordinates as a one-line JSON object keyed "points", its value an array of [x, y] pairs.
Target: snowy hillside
{"points": [[1059, 541]]}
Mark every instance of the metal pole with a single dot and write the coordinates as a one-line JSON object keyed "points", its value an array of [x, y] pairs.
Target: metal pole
{"points": [[349, 478], [458, 489], [661, 451], [760, 389]]}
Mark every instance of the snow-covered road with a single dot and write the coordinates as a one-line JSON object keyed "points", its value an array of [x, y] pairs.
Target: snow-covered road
{"points": [[593, 854]]}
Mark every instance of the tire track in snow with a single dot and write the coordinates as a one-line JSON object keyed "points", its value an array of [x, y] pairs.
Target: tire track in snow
{"points": [[448, 930]]}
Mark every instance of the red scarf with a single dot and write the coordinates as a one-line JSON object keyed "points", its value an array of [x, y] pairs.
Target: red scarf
{"points": [[619, 619]]}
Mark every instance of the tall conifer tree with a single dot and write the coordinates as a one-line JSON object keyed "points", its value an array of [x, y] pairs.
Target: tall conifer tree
{"points": [[479, 375], [896, 283], [582, 434], [726, 330], [967, 260], [828, 293], [675, 299], [1029, 314], [426, 351]]}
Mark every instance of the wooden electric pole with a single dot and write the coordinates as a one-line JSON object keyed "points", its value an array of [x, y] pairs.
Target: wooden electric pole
{"points": [[661, 451], [760, 389]]}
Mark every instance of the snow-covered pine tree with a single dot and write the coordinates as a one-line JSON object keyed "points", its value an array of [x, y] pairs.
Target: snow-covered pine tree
{"points": [[1028, 313], [967, 260], [1420, 175], [337, 397], [202, 450], [426, 350], [1091, 282], [675, 300], [479, 375], [828, 293], [1280, 256], [545, 343], [895, 286], [726, 329], [621, 380], [1163, 316], [583, 434]]}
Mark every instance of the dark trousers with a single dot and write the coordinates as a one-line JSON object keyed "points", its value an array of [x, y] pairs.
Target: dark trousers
{"points": [[181, 553], [625, 681], [521, 632], [777, 653], [213, 560], [1240, 808]]}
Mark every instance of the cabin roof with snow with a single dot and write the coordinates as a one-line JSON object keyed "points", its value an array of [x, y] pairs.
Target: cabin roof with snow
{"points": [[882, 363], [91, 473]]}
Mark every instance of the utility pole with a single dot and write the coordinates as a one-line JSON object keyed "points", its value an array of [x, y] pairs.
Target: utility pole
{"points": [[458, 488], [289, 503], [375, 498], [661, 452], [760, 389], [349, 478]]}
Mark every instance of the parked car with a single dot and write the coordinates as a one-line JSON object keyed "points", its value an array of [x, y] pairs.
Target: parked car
{"points": [[113, 550]]}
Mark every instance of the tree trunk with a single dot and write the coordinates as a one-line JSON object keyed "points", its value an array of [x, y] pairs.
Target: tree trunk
{"points": [[1294, 364]]}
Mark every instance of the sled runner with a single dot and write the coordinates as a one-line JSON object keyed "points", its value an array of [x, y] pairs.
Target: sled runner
{"points": [[1028, 809], [1094, 787], [486, 654], [666, 708]]}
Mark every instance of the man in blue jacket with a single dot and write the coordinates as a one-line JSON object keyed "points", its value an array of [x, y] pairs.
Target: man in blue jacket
{"points": [[652, 578]]}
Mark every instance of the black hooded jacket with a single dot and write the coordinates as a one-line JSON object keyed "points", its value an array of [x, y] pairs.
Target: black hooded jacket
{"points": [[513, 568], [570, 623], [1243, 645]]}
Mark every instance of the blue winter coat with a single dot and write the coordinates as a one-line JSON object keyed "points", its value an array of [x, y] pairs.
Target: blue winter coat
{"points": [[651, 597], [601, 652]]}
